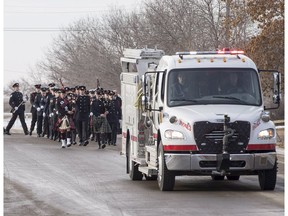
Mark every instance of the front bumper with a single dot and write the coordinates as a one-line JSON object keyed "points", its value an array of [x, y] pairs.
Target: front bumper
{"points": [[205, 162]]}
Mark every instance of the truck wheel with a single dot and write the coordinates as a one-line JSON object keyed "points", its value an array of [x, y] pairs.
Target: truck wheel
{"points": [[233, 177], [267, 178], [166, 179], [217, 178], [134, 173]]}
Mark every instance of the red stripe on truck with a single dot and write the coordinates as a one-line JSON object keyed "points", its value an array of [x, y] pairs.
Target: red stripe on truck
{"points": [[180, 148], [261, 146]]}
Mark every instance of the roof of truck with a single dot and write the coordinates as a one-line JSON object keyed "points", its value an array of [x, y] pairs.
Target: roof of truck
{"points": [[206, 59]]}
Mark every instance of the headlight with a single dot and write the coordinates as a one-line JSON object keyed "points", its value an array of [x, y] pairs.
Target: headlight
{"points": [[266, 134], [172, 134]]}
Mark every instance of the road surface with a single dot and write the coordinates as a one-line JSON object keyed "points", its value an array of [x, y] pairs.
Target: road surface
{"points": [[40, 178]]}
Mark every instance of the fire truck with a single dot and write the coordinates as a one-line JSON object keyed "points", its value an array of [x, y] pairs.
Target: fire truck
{"points": [[197, 113]]}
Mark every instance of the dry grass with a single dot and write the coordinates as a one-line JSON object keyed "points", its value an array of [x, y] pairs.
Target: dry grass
{"points": [[280, 137]]}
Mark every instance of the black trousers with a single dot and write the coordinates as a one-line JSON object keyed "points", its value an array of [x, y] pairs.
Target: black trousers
{"points": [[82, 126], [39, 124], [34, 120], [46, 126], [113, 135], [22, 120]]}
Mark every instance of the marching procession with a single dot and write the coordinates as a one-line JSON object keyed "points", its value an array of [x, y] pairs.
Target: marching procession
{"points": [[67, 113]]}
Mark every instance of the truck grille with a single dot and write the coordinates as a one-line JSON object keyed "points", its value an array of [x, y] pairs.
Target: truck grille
{"points": [[209, 137]]}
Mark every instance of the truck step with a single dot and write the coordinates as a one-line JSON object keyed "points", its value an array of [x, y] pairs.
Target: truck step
{"points": [[147, 170]]}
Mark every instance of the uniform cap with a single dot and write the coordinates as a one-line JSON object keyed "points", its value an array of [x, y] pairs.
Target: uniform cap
{"points": [[15, 85], [111, 93], [51, 84], [66, 88], [38, 86], [92, 91], [73, 89], [44, 89], [82, 88], [70, 95]]}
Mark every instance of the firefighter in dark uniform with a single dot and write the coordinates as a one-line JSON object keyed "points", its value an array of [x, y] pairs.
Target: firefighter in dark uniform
{"points": [[71, 113], [50, 95], [112, 117], [53, 115], [82, 116], [92, 99], [40, 104], [17, 102], [97, 111], [119, 104], [33, 109]]}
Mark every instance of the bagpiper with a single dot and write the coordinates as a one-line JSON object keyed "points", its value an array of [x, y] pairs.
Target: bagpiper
{"points": [[63, 123]]}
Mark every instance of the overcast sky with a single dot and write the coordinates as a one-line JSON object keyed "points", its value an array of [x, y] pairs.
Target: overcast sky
{"points": [[30, 26]]}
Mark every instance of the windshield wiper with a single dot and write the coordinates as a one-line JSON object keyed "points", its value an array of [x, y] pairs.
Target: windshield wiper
{"points": [[189, 100], [230, 98]]}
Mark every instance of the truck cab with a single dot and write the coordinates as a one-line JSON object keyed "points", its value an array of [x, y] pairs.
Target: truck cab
{"points": [[199, 113]]}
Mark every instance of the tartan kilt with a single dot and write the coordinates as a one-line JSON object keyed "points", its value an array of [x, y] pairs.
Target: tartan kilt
{"points": [[105, 127], [101, 125], [96, 123]]}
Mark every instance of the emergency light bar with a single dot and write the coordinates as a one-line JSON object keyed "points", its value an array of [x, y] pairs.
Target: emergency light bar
{"points": [[232, 52]]}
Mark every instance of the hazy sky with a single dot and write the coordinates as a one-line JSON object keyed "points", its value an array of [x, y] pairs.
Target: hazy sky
{"points": [[30, 26]]}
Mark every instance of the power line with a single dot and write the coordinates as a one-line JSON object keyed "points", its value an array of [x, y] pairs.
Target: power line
{"points": [[42, 30], [53, 12]]}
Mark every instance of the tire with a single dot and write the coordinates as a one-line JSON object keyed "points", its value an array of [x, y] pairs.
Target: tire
{"points": [[217, 178], [233, 177], [267, 178], [151, 178], [134, 173], [165, 178]]}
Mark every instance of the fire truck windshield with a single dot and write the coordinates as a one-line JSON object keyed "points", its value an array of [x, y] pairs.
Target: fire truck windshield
{"points": [[213, 86]]}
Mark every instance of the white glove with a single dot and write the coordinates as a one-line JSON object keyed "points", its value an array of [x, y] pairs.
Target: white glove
{"points": [[57, 112], [66, 108], [52, 114], [42, 107], [44, 114], [91, 113], [38, 108], [25, 98], [16, 108]]}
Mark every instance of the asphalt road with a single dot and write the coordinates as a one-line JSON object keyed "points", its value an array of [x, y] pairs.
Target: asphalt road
{"points": [[40, 178]]}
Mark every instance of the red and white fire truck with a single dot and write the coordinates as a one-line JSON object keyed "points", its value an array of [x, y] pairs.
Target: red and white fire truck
{"points": [[196, 113]]}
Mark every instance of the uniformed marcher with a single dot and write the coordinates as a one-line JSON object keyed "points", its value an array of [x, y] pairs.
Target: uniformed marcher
{"points": [[71, 116], [33, 108], [82, 116], [17, 102], [97, 113], [53, 115], [63, 123], [112, 117], [40, 104]]}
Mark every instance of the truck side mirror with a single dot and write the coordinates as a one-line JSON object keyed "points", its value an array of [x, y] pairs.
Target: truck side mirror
{"points": [[276, 87]]}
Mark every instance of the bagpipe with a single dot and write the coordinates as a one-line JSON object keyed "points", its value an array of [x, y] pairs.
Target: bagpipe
{"points": [[64, 124]]}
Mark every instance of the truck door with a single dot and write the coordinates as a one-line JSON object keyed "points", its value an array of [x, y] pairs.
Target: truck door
{"points": [[158, 99]]}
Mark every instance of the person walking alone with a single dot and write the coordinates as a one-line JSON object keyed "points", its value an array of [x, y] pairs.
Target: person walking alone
{"points": [[17, 102]]}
